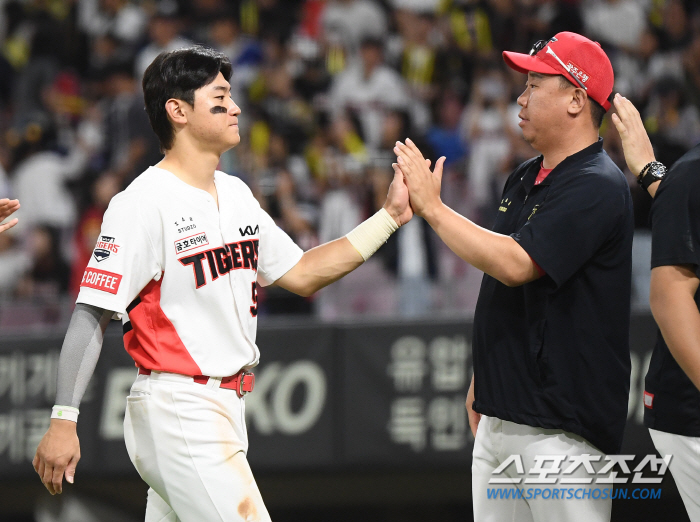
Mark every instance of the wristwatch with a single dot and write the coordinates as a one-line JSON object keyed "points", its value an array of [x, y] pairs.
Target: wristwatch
{"points": [[652, 172]]}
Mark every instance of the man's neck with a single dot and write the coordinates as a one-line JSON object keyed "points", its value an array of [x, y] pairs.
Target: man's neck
{"points": [[574, 143], [367, 72], [193, 166]]}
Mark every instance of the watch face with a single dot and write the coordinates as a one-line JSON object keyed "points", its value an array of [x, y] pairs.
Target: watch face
{"points": [[657, 172]]}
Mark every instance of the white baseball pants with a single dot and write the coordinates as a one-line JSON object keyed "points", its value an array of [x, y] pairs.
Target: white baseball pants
{"points": [[496, 440], [188, 442], [685, 467]]}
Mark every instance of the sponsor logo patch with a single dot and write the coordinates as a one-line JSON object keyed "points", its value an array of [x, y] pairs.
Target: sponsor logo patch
{"points": [[101, 280], [190, 242], [105, 247], [648, 400], [575, 70]]}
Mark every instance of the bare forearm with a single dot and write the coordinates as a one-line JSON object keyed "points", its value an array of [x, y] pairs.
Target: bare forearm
{"points": [[497, 255], [635, 141], [321, 266], [678, 318]]}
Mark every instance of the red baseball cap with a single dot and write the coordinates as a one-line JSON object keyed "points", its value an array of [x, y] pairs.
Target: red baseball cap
{"points": [[580, 60]]}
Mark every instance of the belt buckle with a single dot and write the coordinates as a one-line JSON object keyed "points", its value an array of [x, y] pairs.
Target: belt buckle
{"points": [[246, 383]]}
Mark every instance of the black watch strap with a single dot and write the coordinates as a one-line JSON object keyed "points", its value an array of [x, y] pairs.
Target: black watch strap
{"points": [[652, 172]]}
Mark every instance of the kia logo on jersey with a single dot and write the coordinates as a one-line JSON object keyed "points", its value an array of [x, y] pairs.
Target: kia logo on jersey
{"points": [[249, 231], [105, 247]]}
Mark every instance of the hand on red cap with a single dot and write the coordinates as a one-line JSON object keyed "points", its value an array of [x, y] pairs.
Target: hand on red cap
{"points": [[635, 141]]}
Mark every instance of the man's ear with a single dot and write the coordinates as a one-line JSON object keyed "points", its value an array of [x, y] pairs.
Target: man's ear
{"points": [[177, 111], [579, 99]]}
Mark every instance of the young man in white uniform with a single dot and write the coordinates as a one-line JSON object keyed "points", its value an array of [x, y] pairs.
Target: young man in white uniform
{"points": [[178, 258]]}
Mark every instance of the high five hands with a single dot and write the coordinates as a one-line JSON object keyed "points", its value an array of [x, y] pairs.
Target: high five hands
{"points": [[423, 185]]}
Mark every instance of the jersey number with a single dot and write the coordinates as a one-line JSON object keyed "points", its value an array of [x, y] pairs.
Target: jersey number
{"points": [[254, 308]]}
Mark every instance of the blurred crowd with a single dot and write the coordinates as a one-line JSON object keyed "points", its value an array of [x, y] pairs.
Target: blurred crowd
{"points": [[326, 87]]}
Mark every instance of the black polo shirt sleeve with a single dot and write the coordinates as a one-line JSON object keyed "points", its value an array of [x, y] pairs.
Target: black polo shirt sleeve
{"points": [[572, 223], [675, 218]]}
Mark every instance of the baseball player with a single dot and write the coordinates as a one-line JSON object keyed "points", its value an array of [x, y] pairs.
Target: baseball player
{"points": [[551, 340], [7, 208], [178, 259], [672, 384]]}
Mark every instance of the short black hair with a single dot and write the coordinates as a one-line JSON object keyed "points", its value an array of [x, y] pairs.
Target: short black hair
{"points": [[177, 74], [597, 110]]}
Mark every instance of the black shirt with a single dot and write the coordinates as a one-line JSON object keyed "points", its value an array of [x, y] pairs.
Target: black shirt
{"points": [[672, 402], [554, 353]]}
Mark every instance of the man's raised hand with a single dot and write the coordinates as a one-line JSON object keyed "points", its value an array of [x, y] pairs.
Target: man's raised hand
{"points": [[423, 185], [397, 202], [635, 141]]}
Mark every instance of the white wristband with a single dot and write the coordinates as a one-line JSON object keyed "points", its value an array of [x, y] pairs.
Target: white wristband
{"points": [[65, 413], [372, 233]]}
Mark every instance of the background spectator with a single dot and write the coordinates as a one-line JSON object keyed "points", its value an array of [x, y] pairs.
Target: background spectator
{"points": [[326, 88]]}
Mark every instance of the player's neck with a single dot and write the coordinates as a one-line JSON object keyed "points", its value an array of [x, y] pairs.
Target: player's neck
{"points": [[575, 142], [194, 167]]}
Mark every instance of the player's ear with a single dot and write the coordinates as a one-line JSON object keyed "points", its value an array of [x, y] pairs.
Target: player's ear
{"points": [[579, 98], [176, 111]]}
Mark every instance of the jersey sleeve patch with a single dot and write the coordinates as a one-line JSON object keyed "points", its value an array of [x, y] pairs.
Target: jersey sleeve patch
{"points": [[105, 247], [101, 280]]}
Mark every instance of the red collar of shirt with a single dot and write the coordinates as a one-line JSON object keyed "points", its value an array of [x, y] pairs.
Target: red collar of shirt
{"points": [[542, 174]]}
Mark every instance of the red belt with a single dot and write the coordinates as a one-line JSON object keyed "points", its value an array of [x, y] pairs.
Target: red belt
{"points": [[243, 382]]}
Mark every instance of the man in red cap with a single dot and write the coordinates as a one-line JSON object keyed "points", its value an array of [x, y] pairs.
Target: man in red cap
{"points": [[551, 327]]}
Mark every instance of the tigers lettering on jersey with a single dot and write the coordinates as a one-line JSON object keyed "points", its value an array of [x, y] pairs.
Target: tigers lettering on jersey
{"points": [[233, 256]]}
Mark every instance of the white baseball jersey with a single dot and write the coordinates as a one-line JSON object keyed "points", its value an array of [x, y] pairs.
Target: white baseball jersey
{"points": [[182, 272]]}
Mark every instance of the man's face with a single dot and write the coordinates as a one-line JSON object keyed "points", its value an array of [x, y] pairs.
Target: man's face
{"points": [[371, 56], [544, 109], [214, 119]]}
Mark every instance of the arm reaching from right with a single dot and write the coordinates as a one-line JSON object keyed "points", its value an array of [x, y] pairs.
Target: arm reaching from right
{"points": [[59, 450], [635, 141]]}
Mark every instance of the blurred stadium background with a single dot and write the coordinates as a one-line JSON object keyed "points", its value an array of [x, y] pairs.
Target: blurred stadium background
{"points": [[359, 411]]}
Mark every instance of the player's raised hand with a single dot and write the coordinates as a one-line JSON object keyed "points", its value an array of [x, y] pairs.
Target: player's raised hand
{"points": [[423, 185], [57, 455], [397, 202], [7, 208], [635, 141]]}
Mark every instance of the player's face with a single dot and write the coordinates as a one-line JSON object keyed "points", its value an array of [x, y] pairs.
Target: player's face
{"points": [[214, 119], [544, 110]]}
